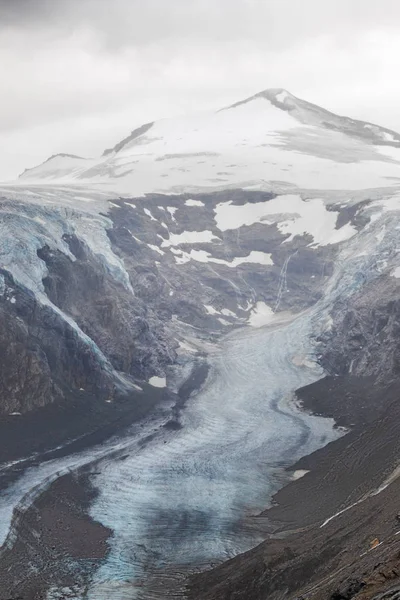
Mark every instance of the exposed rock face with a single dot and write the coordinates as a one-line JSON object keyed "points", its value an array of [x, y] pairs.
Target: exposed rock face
{"points": [[118, 323], [42, 355], [365, 339]]}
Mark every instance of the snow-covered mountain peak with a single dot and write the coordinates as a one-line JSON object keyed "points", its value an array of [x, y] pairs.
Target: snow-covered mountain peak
{"points": [[311, 114], [56, 166], [277, 96], [271, 141]]}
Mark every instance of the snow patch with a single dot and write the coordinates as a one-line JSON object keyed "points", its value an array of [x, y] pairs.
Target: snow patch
{"points": [[228, 313], [210, 309], [255, 257], [158, 382], [246, 308], [340, 513], [135, 238], [194, 203], [223, 321], [282, 96], [190, 237], [396, 273], [388, 137], [291, 214], [148, 213], [172, 210], [156, 249], [299, 474], [261, 315]]}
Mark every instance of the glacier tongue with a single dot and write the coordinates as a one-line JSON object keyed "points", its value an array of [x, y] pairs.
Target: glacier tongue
{"points": [[186, 500]]}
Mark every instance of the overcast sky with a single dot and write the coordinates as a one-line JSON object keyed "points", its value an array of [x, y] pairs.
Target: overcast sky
{"points": [[78, 75]]}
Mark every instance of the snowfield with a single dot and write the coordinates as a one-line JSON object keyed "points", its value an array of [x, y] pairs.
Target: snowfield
{"points": [[292, 215], [268, 141]]}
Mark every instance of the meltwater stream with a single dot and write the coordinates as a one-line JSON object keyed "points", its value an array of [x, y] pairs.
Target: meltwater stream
{"points": [[182, 498]]}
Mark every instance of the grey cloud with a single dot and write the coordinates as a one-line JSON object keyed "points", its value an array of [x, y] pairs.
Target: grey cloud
{"points": [[22, 12], [273, 23], [93, 70]]}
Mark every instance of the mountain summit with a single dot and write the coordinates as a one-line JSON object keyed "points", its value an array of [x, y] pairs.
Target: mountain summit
{"points": [[270, 140], [312, 114]]}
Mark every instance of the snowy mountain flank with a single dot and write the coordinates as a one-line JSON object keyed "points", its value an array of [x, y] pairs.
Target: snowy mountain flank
{"points": [[271, 141], [166, 309]]}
